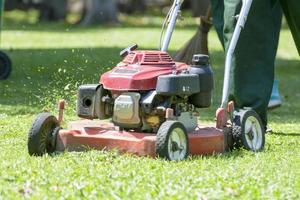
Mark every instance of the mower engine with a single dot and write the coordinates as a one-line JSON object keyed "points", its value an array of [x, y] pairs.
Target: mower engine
{"points": [[146, 89]]}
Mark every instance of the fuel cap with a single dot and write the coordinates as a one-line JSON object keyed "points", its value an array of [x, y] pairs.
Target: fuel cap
{"points": [[200, 59]]}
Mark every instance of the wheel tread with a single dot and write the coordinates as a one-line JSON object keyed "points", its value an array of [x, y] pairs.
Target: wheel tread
{"points": [[34, 137], [162, 138], [238, 137], [7, 68]]}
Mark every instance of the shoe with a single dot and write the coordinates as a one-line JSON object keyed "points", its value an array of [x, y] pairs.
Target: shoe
{"points": [[275, 100], [269, 130]]}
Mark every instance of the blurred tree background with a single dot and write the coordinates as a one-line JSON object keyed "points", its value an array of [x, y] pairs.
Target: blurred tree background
{"points": [[90, 12]]}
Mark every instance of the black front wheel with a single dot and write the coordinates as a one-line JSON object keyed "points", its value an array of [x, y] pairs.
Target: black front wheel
{"points": [[42, 135], [5, 66], [248, 130], [172, 141]]}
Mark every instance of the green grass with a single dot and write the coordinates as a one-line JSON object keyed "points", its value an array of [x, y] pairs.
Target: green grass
{"points": [[51, 60]]}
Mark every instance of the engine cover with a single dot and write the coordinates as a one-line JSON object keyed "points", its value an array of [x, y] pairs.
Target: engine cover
{"points": [[126, 110], [139, 71]]}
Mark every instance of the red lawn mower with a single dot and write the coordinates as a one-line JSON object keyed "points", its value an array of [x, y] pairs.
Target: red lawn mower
{"points": [[153, 103]]}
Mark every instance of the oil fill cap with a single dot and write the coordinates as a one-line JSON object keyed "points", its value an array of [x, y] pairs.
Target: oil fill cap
{"points": [[126, 51]]}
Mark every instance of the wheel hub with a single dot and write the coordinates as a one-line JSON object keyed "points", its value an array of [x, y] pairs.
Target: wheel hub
{"points": [[253, 133], [177, 145]]}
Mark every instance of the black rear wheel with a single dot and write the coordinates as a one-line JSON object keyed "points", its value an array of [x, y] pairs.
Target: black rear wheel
{"points": [[5, 66], [248, 131], [42, 135]]}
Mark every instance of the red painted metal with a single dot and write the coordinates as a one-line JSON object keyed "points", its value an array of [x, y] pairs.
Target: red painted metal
{"points": [[230, 107], [61, 107], [169, 113], [83, 135], [221, 117], [139, 71]]}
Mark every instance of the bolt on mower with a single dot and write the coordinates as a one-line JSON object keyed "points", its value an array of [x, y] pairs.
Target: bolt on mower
{"points": [[153, 105]]}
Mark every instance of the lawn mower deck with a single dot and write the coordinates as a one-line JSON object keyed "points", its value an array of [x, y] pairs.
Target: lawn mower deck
{"points": [[86, 134]]}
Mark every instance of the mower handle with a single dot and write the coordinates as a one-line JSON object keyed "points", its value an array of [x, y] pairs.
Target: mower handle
{"points": [[242, 18], [173, 14]]}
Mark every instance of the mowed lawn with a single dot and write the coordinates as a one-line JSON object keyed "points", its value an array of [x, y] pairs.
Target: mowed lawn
{"points": [[52, 60]]}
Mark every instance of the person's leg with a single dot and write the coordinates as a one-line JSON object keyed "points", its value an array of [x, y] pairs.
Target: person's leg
{"points": [[217, 9], [253, 62], [291, 9], [275, 100], [218, 21]]}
